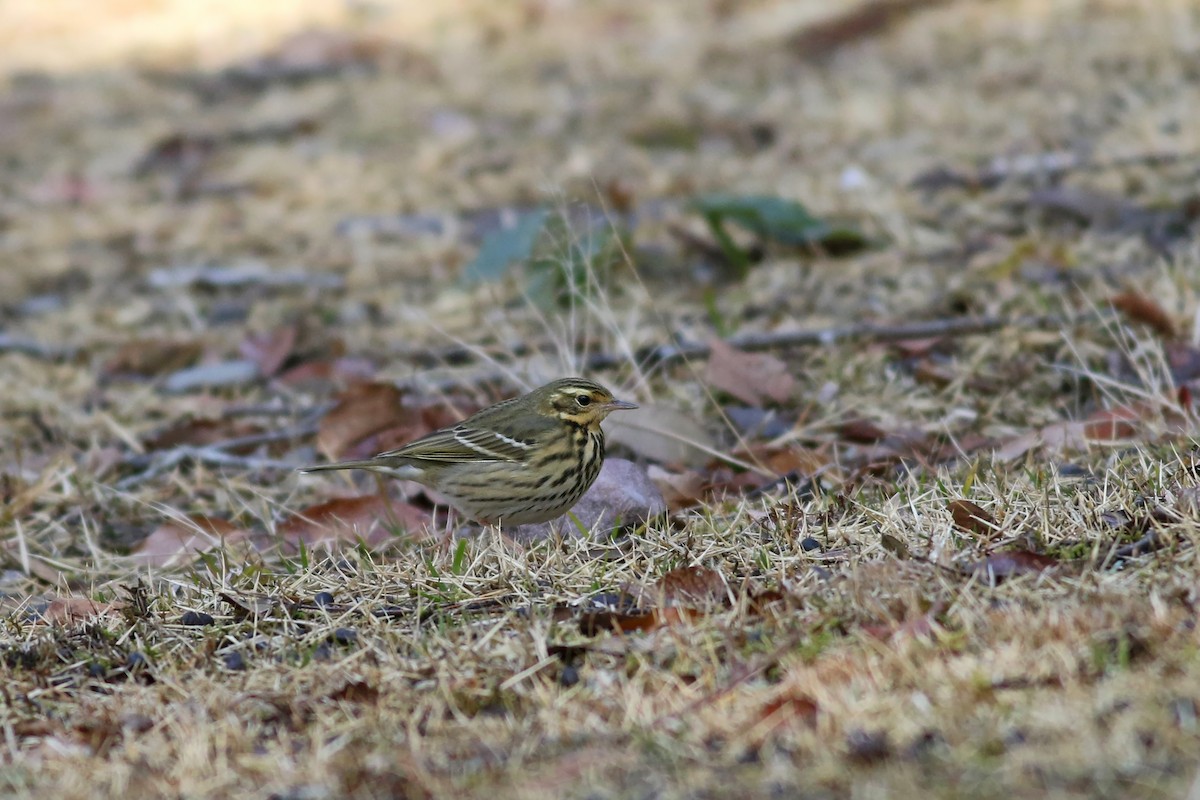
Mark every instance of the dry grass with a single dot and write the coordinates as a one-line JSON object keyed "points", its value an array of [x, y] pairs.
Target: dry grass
{"points": [[887, 665]]}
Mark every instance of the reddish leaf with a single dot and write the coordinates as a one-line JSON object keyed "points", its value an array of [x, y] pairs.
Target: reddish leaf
{"points": [[74, 609], [791, 706], [1012, 563], [1112, 424], [149, 357], [597, 622], [362, 410], [862, 431], [917, 348], [970, 518], [349, 519], [750, 377], [684, 586], [355, 692], [200, 432], [764, 599], [271, 349], [177, 540], [1140, 308], [316, 375], [680, 489]]}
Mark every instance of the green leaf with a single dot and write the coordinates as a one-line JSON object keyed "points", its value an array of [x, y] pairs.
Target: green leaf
{"points": [[773, 218], [501, 248]]}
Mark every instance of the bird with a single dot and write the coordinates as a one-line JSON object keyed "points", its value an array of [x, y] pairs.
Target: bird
{"points": [[524, 460]]}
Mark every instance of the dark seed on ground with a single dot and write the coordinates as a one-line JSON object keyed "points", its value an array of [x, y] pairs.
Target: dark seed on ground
{"points": [[234, 661], [323, 599], [808, 544], [196, 618], [344, 636]]}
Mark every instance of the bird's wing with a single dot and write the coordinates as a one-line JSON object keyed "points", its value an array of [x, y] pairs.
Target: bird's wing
{"points": [[465, 443]]}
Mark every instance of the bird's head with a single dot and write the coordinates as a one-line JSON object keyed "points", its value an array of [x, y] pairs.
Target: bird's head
{"points": [[577, 401]]}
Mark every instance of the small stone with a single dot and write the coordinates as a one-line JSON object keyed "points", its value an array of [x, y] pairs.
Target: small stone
{"points": [[235, 661], [196, 618], [569, 676], [344, 636], [809, 544], [867, 747], [323, 599]]}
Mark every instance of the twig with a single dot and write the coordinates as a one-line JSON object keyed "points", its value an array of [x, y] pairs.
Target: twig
{"points": [[1039, 165], [201, 455]]}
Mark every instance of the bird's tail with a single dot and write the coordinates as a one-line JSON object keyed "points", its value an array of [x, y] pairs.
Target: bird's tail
{"points": [[366, 464]]}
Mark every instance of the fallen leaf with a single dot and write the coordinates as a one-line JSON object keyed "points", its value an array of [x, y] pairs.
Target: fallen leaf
{"points": [[201, 432], [684, 586], [149, 357], [894, 546], [1013, 563], [75, 609], [788, 706], [367, 518], [270, 350], [593, 623], [662, 434], [1112, 424], [970, 518], [750, 377], [361, 410], [680, 489], [178, 540], [1140, 308], [852, 23], [355, 692], [320, 374], [862, 431]]}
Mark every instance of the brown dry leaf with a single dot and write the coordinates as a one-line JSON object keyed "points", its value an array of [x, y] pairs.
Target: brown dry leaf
{"points": [[597, 622], [318, 375], [1112, 424], [789, 706], [970, 518], [75, 608], [178, 540], [680, 489], [861, 431], [361, 410], [201, 432], [750, 377], [350, 519], [355, 692], [661, 434], [322, 48], [787, 460], [270, 350], [1012, 563], [149, 357], [851, 23], [1140, 308], [684, 586]]}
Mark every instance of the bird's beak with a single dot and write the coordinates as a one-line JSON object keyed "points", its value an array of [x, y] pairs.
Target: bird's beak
{"points": [[619, 405]]}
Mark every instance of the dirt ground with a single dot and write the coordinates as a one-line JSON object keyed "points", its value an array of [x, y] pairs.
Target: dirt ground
{"points": [[929, 454]]}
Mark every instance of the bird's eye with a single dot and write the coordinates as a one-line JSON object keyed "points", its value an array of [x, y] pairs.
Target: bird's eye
{"points": [[583, 400]]}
